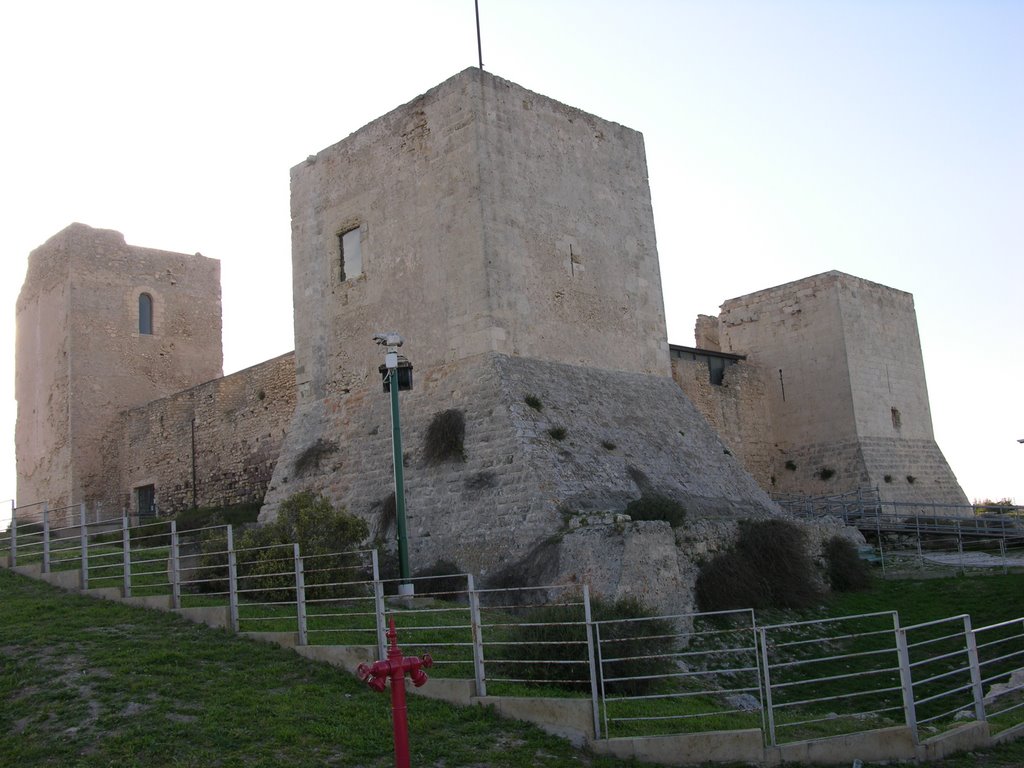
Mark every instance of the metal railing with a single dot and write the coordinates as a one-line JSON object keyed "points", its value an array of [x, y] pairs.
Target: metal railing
{"points": [[840, 671], [647, 675], [682, 672]]}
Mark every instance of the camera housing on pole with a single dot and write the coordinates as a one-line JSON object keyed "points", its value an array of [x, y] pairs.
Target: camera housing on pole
{"points": [[397, 369]]}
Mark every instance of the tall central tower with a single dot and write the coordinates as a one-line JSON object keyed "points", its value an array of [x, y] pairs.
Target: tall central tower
{"points": [[510, 239]]}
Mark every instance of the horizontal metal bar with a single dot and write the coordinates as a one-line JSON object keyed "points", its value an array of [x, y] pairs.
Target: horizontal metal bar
{"points": [[938, 696], [840, 697], [844, 676], [768, 627], [821, 659]]}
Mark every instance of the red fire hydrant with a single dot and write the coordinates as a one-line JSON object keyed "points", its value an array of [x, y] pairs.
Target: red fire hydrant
{"points": [[376, 676]]}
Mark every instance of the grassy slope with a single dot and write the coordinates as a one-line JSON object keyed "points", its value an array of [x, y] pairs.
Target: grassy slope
{"points": [[85, 682], [90, 683]]}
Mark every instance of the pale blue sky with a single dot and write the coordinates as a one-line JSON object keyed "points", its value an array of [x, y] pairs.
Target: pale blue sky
{"points": [[784, 139]]}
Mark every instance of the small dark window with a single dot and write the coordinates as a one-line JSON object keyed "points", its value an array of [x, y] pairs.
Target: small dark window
{"points": [[896, 420], [145, 495], [145, 314], [716, 368], [350, 254]]}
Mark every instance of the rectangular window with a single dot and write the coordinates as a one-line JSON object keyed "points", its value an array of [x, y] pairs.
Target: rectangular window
{"points": [[350, 247]]}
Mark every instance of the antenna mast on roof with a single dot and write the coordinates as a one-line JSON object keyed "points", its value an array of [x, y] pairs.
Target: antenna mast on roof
{"points": [[479, 48]]}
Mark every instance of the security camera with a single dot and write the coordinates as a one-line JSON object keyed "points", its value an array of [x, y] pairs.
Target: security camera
{"points": [[388, 339]]}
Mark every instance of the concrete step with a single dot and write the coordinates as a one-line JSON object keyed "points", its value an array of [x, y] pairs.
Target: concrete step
{"points": [[156, 602], [284, 639], [345, 656], [216, 616]]}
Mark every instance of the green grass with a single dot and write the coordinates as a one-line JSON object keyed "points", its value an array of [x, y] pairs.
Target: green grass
{"points": [[92, 683], [88, 682]]}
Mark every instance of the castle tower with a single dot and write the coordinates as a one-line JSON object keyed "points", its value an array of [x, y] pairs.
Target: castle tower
{"points": [[510, 239], [843, 376], [103, 326]]}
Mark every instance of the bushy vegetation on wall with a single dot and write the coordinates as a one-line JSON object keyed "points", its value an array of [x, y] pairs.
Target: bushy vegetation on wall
{"points": [[768, 567]]}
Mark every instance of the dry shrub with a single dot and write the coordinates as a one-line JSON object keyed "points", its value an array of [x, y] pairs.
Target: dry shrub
{"points": [[445, 436], [726, 583], [768, 567], [846, 571], [551, 646]]}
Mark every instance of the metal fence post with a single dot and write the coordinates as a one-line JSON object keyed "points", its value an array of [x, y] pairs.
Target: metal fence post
{"points": [[920, 551], [590, 661], [46, 539], [300, 597], [600, 666], [175, 564], [12, 558], [479, 672], [906, 678], [878, 532], [972, 659], [83, 545], [1002, 545], [960, 548], [126, 548], [232, 581], [378, 607], [767, 687]]}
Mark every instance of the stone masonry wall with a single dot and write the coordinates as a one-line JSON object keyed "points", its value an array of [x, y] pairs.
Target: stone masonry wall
{"points": [[41, 385], [625, 435], [239, 426], [736, 410], [840, 358], [92, 355], [489, 218]]}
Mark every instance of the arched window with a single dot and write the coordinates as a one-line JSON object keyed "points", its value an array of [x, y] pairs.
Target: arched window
{"points": [[145, 314]]}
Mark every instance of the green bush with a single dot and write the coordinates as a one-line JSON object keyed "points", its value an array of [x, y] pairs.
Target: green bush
{"points": [[319, 529], [534, 402], [550, 645], [846, 571], [557, 433], [445, 437], [655, 507], [234, 514], [768, 567]]}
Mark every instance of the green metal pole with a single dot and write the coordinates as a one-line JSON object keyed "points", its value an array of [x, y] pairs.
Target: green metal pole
{"points": [[396, 443]]}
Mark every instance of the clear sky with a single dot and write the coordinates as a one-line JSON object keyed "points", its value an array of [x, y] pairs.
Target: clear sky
{"points": [[884, 138]]}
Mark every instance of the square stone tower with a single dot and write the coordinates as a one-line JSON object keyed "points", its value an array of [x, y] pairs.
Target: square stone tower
{"points": [[480, 217], [845, 385], [103, 326]]}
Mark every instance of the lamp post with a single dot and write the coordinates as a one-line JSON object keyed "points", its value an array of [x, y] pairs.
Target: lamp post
{"points": [[397, 375]]}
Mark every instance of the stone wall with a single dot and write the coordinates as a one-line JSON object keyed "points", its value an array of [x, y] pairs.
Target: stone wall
{"points": [[736, 410], [626, 435], [90, 352], [226, 434], [489, 218], [41, 384]]}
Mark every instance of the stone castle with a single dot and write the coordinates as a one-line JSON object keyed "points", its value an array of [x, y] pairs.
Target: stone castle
{"points": [[511, 240]]}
